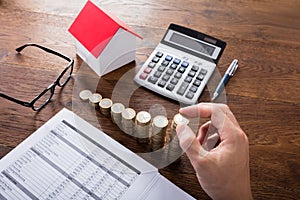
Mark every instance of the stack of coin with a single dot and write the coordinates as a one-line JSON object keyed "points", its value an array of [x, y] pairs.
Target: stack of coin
{"points": [[179, 119], [128, 116], [116, 113], [85, 95], [105, 106], [175, 151], [142, 122], [159, 130], [94, 100]]}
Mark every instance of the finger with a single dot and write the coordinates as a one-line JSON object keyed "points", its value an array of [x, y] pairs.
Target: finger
{"points": [[216, 112], [202, 110], [189, 143], [220, 110], [208, 136], [194, 111], [202, 131], [219, 114]]}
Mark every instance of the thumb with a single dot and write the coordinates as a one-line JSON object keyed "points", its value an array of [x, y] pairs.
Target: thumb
{"points": [[189, 143]]}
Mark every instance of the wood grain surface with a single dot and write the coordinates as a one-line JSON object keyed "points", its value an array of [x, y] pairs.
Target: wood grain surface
{"points": [[264, 94]]}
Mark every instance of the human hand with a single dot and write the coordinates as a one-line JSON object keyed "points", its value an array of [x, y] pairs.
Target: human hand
{"points": [[223, 172]]}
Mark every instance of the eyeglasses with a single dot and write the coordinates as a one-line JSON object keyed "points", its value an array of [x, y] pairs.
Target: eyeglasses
{"points": [[44, 98]]}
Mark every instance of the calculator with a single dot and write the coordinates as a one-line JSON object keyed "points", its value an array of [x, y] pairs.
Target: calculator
{"points": [[181, 64]]}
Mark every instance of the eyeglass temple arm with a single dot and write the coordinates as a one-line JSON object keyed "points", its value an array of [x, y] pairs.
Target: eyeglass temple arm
{"points": [[27, 104], [19, 49]]}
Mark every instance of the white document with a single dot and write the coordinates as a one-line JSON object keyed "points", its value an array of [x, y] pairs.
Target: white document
{"points": [[67, 158]]}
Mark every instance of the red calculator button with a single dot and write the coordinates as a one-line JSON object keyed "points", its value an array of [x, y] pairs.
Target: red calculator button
{"points": [[143, 76], [147, 70]]}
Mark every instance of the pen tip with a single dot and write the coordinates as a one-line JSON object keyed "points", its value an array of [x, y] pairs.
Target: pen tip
{"points": [[214, 97]]}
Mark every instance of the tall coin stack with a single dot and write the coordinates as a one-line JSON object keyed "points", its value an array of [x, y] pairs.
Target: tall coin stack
{"points": [[94, 100], [142, 121], [175, 151], [105, 106], [159, 129], [128, 116], [116, 113]]}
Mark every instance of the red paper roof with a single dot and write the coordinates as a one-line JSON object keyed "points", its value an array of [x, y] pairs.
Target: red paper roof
{"points": [[94, 28]]}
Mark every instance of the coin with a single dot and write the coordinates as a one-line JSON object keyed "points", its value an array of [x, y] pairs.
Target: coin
{"points": [[174, 149], [105, 103], [94, 99], [105, 106], [85, 95], [117, 108], [116, 113], [160, 121], [128, 116], [159, 129], [143, 120], [179, 119]]}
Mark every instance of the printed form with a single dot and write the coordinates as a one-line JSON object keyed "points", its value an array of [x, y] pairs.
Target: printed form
{"points": [[67, 158]]}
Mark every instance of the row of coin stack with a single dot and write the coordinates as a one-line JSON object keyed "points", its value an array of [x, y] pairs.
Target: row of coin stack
{"points": [[139, 125]]}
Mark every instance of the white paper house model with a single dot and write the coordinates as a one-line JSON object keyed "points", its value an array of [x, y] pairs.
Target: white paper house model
{"points": [[103, 41]]}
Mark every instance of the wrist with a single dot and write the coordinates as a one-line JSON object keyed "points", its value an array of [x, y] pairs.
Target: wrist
{"points": [[236, 191]]}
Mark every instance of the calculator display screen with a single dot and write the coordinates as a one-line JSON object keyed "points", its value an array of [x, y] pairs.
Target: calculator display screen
{"points": [[192, 44]]}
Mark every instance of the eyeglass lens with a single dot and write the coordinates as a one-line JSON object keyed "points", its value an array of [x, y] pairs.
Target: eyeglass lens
{"points": [[43, 99], [65, 76], [46, 95]]}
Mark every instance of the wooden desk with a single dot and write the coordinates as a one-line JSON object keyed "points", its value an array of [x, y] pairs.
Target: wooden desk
{"points": [[264, 94]]}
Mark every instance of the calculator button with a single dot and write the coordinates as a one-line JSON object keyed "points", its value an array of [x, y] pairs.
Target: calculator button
{"points": [[157, 74], [173, 66], [161, 83], [169, 72], [174, 81], [155, 59], [143, 76], [151, 65], [193, 88], [152, 79], [170, 87], [188, 79], [192, 73], [182, 88], [178, 75], [161, 68], [147, 70], [176, 61], [165, 63], [181, 69], [195, 68], [197, 83], [200, 77], [203, 71], [190, 95], [168, 58], [166, 77], [184, 64], [159, 54]]}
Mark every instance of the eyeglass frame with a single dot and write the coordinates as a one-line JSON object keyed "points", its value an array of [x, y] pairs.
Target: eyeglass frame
{"points": [[51, 87]]}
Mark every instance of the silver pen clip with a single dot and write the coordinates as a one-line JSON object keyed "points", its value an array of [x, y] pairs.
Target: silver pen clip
{"points": [[233, 67]]}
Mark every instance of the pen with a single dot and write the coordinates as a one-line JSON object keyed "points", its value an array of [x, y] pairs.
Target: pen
{"points": [[229, 73]]}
